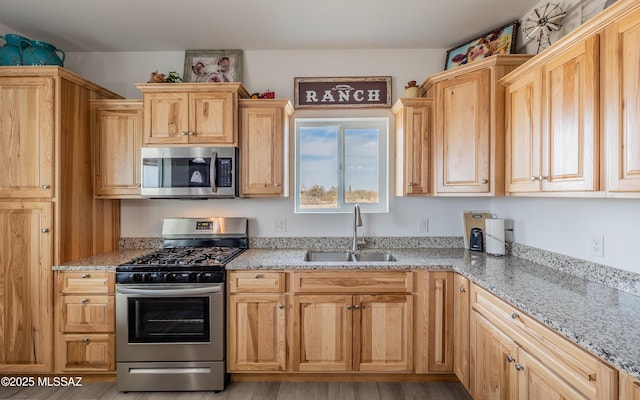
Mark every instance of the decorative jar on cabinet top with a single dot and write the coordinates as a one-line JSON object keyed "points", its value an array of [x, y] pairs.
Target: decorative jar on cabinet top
{"points": [[11, 52], [42, 53]]}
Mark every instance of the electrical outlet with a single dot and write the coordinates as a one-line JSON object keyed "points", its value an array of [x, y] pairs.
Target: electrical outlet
{"points": [[280, 225], [597, 245], [423, 225]]}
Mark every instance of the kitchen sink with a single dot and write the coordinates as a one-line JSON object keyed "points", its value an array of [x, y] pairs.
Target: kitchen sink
{"points": [[375, 257], [342, 256], [328, 256]]}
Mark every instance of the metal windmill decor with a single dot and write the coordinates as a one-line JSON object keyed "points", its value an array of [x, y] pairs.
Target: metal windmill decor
{"points": [[542, 22]]}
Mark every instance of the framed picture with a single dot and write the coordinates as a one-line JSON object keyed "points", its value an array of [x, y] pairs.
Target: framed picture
{"points": [[498, 41], [342, 92], [213, 66]]}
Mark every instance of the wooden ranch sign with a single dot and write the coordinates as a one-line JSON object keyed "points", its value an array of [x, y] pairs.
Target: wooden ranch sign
{"points": [[373, 91]]}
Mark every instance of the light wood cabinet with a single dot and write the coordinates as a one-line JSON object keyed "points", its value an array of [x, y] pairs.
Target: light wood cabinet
{"points": [[264, 147], [571, 140], [257, 329], [492, 352], [621, 105], [45, 148], [353, 333], [27, 137], [413, 146], [461, 323], [629, 387], [469, 127], [86, 321], [191, 113], [553, 136], [117, 135], [257, 332], [26, 302], [511, 354], [339, 327]]}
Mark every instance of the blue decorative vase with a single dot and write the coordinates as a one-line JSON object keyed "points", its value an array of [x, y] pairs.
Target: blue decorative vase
{"points": [[42, 53], [11, 52]]}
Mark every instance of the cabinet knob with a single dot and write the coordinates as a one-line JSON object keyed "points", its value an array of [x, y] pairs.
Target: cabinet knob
{"points": [[46, 187], [515, 315], [277, 184], [357, 306], [484, 181], [281, 306], [85, 276], [542, 178], [462, 290], [85, 340], [257, 276], [411, 184], [519, 367], [44, 230], [183, 133], [534, 178], [138, 185], [349, 307], [85, 301], [510, 358], [191, 133]]}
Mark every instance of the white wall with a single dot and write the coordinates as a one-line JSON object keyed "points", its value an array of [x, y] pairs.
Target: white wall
{"points": [[561, 225]]}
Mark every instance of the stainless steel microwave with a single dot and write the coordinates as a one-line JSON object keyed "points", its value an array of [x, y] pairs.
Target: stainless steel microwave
{"points": [[189, 172]]}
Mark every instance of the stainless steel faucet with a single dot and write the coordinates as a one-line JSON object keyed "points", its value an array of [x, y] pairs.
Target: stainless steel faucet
{"points": [[357, 221]]}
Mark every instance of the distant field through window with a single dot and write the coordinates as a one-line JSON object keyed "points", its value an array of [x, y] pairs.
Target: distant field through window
{"points": [[340, 162]]}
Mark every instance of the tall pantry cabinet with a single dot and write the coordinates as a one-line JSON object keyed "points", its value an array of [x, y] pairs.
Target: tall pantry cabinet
{"points": [[48, 214]]}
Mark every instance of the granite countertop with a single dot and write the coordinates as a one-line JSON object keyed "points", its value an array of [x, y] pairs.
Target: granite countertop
{"points": [[600, 319], [102, 262]]}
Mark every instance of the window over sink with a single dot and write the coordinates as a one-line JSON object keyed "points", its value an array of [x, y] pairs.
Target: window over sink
{"points": [[340, 162]]}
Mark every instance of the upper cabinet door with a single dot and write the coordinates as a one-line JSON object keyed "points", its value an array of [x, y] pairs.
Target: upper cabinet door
{"points": [[622, 104], [166, 118], [212, 117], [27, 137], [413, 146], [463, 133], [523, 99], [570, 143]]}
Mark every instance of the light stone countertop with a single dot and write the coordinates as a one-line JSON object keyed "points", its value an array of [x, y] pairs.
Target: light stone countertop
{"points": [[600, 319]]}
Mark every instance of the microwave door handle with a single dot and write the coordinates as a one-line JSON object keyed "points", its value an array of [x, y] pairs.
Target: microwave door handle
{"points": [[213, 172]]}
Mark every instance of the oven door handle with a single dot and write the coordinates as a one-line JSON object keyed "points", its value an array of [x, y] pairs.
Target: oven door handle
{"points": [[169, 292]]}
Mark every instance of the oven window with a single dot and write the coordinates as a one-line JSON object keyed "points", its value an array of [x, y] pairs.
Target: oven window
{"points": [[168, 319]]}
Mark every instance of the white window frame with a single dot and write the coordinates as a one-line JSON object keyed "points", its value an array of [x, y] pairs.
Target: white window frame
{"points": [[380, 123]]}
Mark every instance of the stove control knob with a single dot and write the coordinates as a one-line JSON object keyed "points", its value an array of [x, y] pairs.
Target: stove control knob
{"points": [[192, 277], [170, 277], [136, 277], [202, 277], [147, 277]]}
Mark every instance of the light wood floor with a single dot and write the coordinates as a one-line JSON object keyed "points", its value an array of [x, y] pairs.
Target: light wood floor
{"points": [[257, 391]]}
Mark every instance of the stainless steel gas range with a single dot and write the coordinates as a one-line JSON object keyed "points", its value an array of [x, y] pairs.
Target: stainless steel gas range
{"points": [[170, 307]]}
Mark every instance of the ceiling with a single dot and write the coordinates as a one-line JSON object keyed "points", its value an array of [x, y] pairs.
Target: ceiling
{"points": [[161, 25]]}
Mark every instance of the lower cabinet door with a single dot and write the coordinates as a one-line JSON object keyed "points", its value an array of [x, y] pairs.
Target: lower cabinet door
{"points": [[383, 333], [257, 333], [87, 353], [536, 382], [323, 340], [493, 376]]}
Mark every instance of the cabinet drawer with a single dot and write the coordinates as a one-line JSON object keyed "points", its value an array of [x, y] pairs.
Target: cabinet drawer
{"points": [[256, 282], [87, 313], [86, 282], [352, 282], [87, 353], [586, 372]]}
